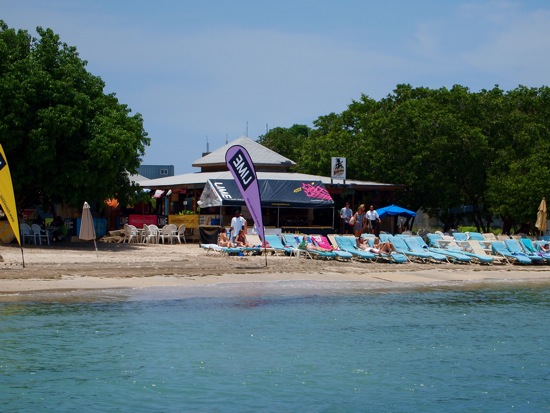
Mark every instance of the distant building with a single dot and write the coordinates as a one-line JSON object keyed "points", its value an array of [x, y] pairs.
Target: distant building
{"points": [[156, 171]]}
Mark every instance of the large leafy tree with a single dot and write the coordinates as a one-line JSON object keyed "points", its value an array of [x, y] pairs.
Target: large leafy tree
{"points": [[485, 153], [519, 175], [65, 139], [286, 141]]}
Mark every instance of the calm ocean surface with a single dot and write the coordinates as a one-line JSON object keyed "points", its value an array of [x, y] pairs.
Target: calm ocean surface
{"points": [[278, 348]]}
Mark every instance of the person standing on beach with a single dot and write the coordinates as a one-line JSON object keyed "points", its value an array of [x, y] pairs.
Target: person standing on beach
{"points": [[237, 223], [345, 215], [374, 221], [359, 222]]}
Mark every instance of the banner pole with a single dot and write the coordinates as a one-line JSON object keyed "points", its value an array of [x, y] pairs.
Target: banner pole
{"points": [[265, 245], [22, 256], [242, 169]]}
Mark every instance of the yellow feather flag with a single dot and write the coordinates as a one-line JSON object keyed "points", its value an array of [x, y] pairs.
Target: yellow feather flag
{"points": [[7, 198]]}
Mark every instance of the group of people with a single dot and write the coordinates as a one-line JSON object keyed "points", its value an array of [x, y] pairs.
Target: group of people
{"points": [[362, 221], [237, 235], [378, 247]]}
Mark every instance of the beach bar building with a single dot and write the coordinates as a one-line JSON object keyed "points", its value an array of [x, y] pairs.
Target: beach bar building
{"points": [[291, 202]]}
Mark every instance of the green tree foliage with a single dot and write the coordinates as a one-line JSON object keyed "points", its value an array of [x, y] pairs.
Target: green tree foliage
{"points": [[286, 141], [450, 147], [65, 139], [519, 175]]}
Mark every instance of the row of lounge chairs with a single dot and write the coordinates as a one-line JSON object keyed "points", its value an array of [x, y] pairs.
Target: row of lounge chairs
{"points": [[460, 248], [504, 249], [341, 248]]}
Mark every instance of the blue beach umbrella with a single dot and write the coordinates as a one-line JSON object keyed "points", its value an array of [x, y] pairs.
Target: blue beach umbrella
{"points": [[394, 210]]}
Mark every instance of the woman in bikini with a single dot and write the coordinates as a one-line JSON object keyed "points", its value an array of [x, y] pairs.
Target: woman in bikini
{"points": [[223, 241], [241, 240]]}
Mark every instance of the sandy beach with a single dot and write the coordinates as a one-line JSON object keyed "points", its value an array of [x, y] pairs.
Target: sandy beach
{"points": [[76, 266]]}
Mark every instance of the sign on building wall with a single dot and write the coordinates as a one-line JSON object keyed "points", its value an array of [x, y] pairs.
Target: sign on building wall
{"points": [[338, 168]]}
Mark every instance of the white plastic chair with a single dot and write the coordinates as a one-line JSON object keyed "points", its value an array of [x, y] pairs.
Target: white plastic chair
{"points": [[150, 234], [27, 233], [168, 233], [40, 233], [181, 233], [130, 234]]}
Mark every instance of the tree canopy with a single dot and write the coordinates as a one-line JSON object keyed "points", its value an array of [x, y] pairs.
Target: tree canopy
{"points": [[65, 139], [451, 148]]}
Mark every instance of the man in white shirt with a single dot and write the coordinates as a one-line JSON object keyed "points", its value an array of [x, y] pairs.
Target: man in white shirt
{"points": [[345, 215], [237, 223], [374, 221]]}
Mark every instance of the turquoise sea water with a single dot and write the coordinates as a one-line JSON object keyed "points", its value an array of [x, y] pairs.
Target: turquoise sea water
{"points": [[278, 348]]}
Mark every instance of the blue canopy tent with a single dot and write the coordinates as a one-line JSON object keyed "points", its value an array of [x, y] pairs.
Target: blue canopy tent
{"points": [[394, 211]]}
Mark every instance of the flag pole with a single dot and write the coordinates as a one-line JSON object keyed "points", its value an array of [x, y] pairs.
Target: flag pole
{"points": [[7, 199], [265, 245], [241, 166], [22, 256]]}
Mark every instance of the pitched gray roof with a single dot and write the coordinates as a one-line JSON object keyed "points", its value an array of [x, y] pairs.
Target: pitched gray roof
{"points": [[200, 178], [260, 154]]}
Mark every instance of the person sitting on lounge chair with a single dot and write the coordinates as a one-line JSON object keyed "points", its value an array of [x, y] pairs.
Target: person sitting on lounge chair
{"points": [[308, 246], [384, 247], [361, 244], [241, 240], [223, 241], [378, 247]]}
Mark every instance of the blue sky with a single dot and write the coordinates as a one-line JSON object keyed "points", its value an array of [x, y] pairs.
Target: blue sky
{"points": [[207, 71]]}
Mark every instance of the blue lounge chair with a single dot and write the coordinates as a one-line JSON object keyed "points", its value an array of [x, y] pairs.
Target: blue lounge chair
{"points": [[499, 248], [224, 250], [278, 245], [477, 236], [482, 239], [348, 244], [402, 247], [418, 246], [453, 255], [534, 249], [323, 242], [293, 241], [437, 241], [395, 257], [460, 236], [542, 245], [514, 247]]}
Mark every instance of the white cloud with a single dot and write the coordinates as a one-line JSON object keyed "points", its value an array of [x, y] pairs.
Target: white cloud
{"points": [[520, 49]]}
